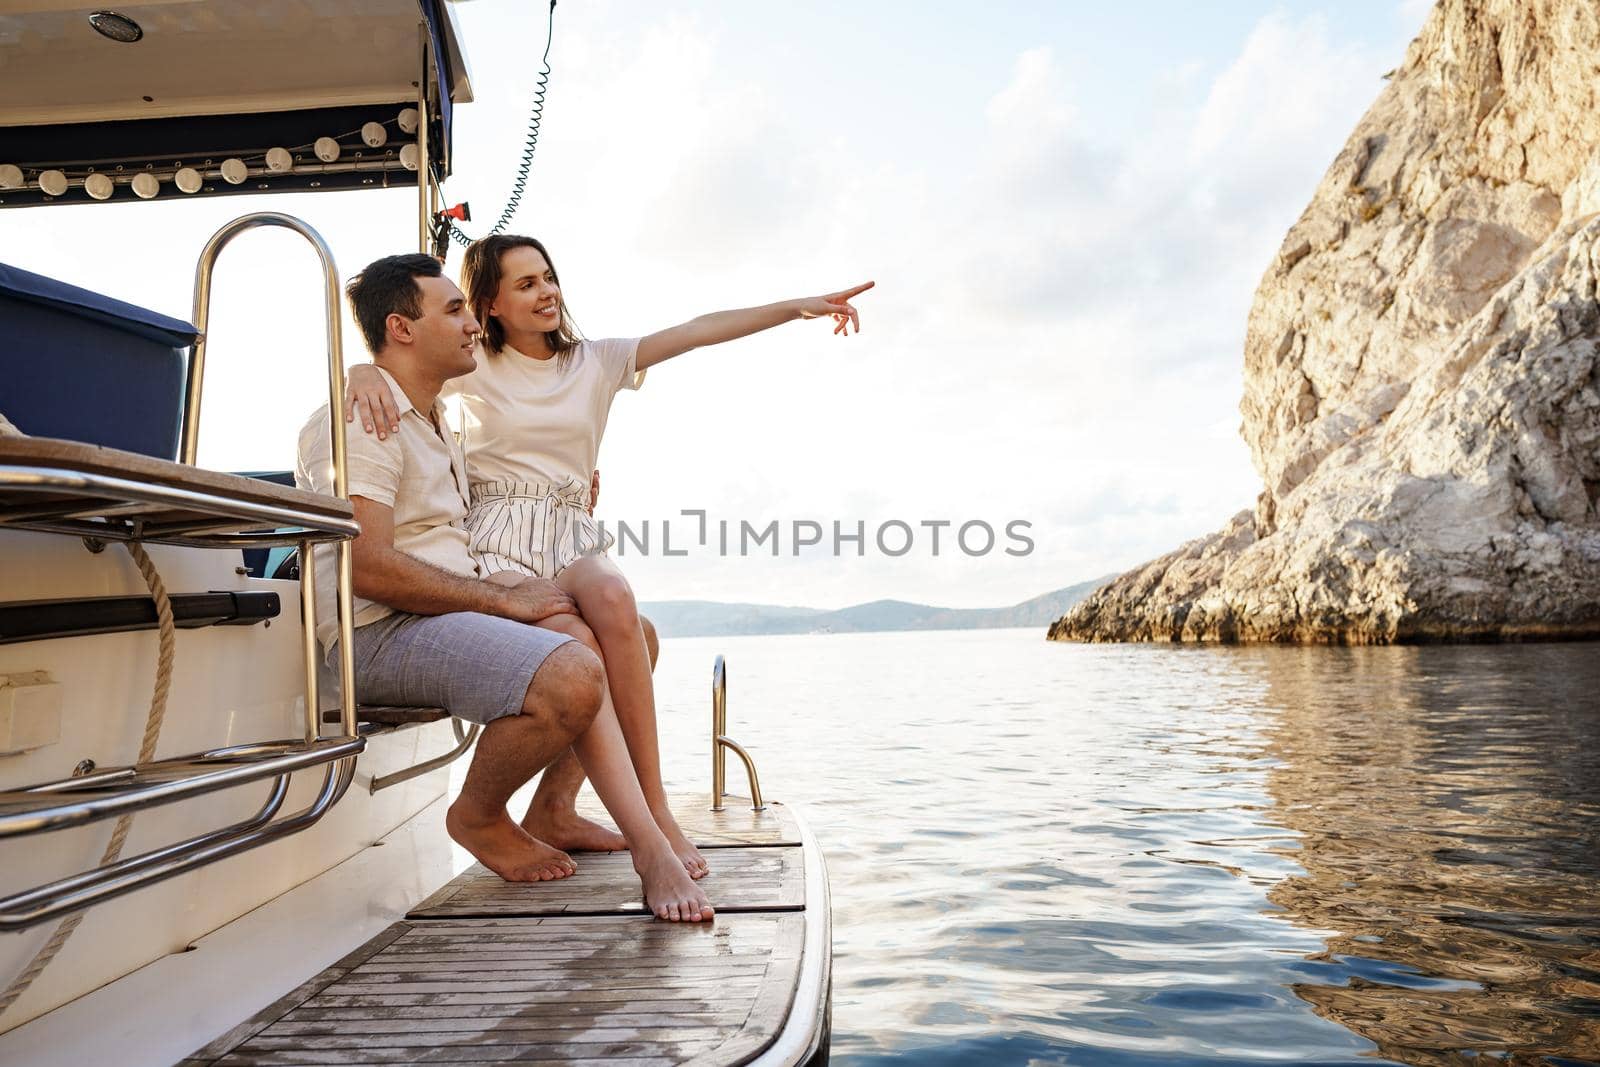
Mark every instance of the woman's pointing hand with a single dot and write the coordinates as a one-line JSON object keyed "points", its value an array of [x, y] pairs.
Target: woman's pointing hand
{"points": [[836, 306]]}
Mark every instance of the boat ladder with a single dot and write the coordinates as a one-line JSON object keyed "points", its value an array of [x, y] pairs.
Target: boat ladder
{"points": [[721, 743], [102, 495]]}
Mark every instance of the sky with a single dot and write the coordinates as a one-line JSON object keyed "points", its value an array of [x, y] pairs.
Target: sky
{"points": [[1066, 207]]}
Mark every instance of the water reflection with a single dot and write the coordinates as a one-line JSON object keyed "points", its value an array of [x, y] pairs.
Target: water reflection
{"points": [[1137, 855], [1448, 806]]}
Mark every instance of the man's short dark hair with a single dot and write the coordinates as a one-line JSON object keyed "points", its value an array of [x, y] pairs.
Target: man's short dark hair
{"points": [[388, 287]]}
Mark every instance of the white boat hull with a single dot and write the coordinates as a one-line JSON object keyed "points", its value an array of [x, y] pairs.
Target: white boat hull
{"points": [[231, 685]]}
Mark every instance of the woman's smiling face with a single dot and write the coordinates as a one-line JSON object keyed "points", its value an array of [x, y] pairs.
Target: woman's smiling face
{"points": [[529, 299]]}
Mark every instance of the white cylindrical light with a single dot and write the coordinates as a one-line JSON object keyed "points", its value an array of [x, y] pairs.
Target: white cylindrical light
{"points": [[374, 134], [188, 180], [408, 120], [327, 149], [234, 172], [10, 176], [279, 160], [99, 186], [146, 185], [409, 156], [53, 182]]}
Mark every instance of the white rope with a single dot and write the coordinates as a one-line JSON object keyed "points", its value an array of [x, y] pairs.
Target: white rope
{"points": [[147, 752], [9, 429]]}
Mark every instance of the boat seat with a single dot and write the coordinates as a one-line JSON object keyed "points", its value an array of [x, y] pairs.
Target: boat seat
{"points": [[86, 490], [87, 458], [384, 715], [82, 366]]}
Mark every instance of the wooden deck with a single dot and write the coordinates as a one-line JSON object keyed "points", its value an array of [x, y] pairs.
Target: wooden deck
{"points": [[486, 971]]}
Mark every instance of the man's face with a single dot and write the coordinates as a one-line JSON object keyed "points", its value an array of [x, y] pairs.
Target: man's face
{"points": [[444, 338]]}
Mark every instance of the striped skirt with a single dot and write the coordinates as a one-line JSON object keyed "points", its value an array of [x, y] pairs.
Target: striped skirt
{"points": [[532, 528]]}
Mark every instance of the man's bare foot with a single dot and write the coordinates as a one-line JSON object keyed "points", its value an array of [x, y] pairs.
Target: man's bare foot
{"points": [[669, 893], [505, 848], [565, 828], [693, 862]]}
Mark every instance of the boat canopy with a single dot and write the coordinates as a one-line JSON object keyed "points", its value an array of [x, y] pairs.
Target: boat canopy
{"points": [[171, 98]]}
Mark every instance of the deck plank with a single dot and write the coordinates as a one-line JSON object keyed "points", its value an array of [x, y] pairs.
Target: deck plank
{"points": [[733, 826], [741, 879], [706, 998], [660, 1052], [569, 972], [636, 1022]]}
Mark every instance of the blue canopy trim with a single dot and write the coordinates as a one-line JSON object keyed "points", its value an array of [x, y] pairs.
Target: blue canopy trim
{"points": [[440, 127], [122, 149], [30, 288]]}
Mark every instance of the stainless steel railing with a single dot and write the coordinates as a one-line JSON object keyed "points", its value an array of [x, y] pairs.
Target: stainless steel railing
{"points": [[721, 743], [464, 738], [104, 507], [121, 791], [190, 447], [74, 893]]}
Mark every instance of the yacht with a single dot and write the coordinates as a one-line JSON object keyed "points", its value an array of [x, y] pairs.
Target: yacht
{"points": [[210, 850]]}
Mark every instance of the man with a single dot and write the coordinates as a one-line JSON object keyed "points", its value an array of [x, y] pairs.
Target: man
{"points": [[429, 632]]}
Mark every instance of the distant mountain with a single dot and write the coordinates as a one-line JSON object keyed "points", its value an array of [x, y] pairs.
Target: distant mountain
{"points": [[708, 618]]}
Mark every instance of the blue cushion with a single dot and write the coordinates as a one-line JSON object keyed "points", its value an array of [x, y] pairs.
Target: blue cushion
{"points": [[79, 365]]}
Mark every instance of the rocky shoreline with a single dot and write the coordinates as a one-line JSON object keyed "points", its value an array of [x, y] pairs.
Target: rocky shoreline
{"points": [[1422, 370]]}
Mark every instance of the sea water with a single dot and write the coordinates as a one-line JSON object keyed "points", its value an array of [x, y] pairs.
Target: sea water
{"points": [[1057, 853]]}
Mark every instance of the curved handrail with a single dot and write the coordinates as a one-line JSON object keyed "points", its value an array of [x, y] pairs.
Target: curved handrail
{"points": [[15, 908], [719, 727], [464, 739], [116, 881], [190, 446], [756, 803], [721, 742], [66, 804], [190, 439]]}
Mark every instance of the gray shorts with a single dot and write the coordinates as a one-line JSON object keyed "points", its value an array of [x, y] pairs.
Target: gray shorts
{"points": [[476, 667]]}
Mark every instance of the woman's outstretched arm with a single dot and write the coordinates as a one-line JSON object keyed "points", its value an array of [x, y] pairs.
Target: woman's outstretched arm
{"points": [[720, 326]]}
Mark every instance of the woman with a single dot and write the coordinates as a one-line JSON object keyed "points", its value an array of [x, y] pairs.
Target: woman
{"points": [[533, 414]]}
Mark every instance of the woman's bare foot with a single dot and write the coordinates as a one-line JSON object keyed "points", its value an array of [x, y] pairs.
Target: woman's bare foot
{"points": [[565, 828], [669, 893], [693, 862], [505, 848]]}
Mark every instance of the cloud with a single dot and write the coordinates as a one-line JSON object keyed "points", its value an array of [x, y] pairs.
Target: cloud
{"points": [[1060, 336], [1188, 206], [1034, 103], [1272, 122], [1057, 332]]}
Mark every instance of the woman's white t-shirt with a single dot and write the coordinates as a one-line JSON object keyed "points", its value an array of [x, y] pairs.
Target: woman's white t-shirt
{"points": [[532, 420]]}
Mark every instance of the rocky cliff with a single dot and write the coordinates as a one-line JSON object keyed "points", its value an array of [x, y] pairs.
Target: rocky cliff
{"points": [[1422, 390]]}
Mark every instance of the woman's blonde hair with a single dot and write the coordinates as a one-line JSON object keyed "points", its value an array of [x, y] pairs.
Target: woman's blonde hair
{"points": [[481, 275]]}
